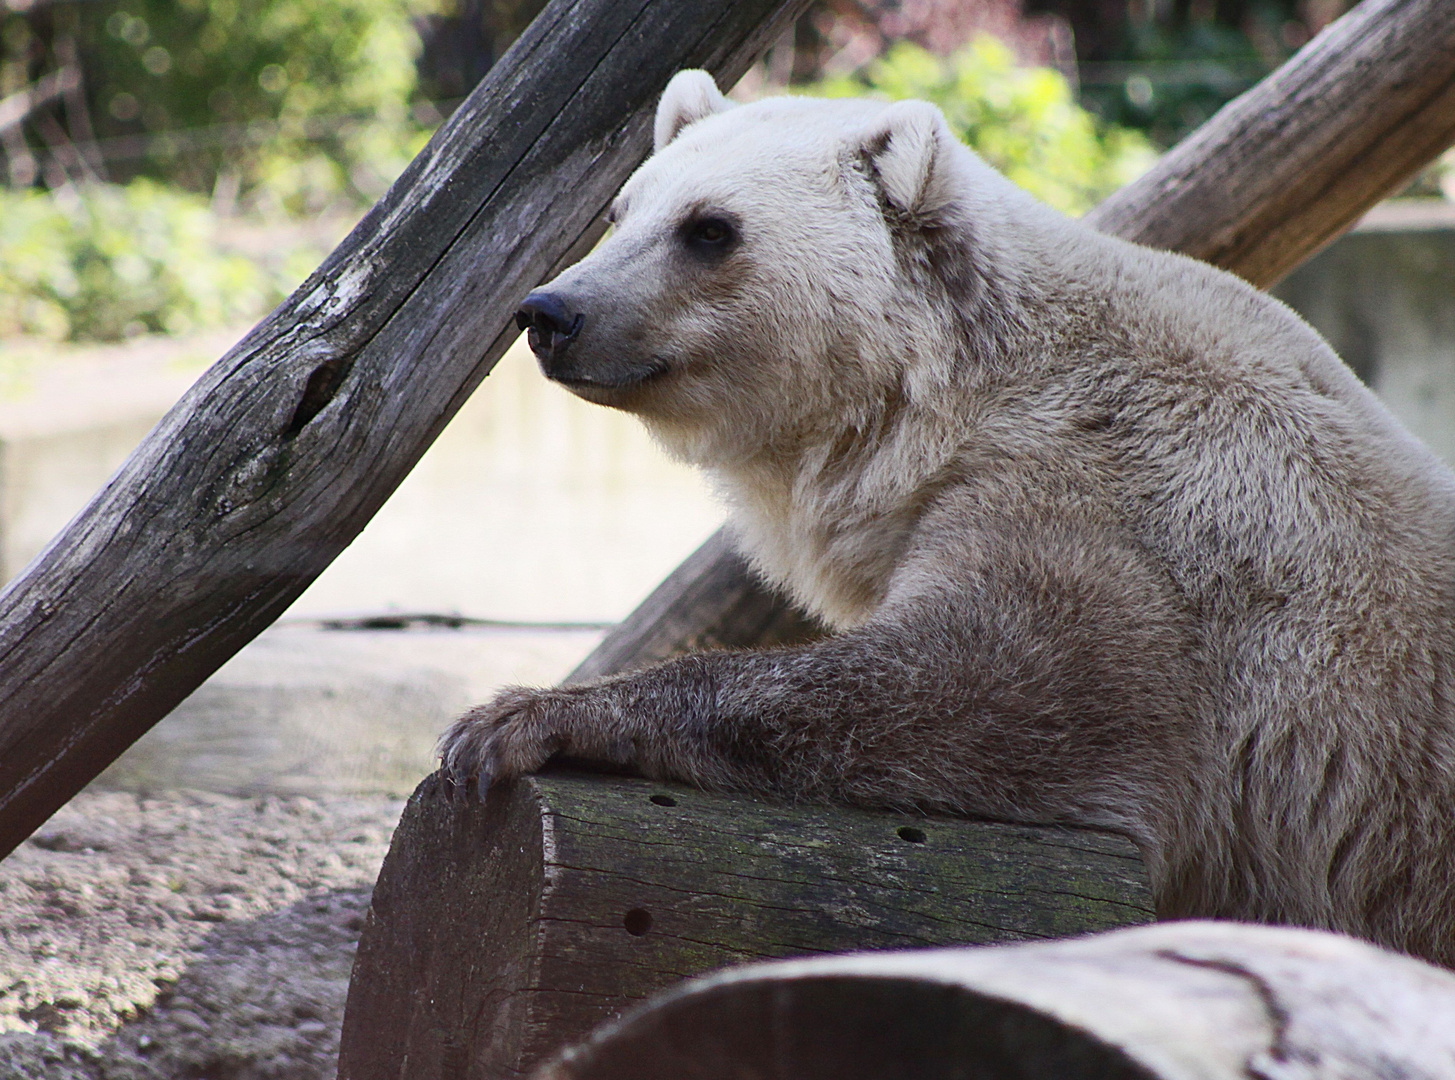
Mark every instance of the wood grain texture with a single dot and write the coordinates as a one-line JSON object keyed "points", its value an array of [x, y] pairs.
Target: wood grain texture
{"points": [[1263, 185], [500, 932], [281, 453], [1179, 1001]]}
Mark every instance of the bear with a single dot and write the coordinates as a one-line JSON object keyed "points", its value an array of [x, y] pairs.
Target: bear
{"points": [[1103, 536]]}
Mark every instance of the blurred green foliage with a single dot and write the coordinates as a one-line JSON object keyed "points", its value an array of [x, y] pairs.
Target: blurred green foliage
{"points": [[109, 261], [1178, 76], [272, 108], [293, 104], [1024, 121], [1165, 66]]}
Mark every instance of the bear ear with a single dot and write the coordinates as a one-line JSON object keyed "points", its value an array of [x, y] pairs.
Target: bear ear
{"points": [[689, 97], [909, 152]]}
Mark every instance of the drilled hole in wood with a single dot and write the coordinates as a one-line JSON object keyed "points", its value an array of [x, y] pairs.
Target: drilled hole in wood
{"points": [[910, 834], [637, 921], [664, 800]]}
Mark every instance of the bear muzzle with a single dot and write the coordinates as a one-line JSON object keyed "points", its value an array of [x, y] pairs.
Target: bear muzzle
{"points": [[589, 367]]}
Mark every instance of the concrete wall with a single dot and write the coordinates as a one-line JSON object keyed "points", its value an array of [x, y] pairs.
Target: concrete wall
{"points": [[70, 416], [1384, 297]]}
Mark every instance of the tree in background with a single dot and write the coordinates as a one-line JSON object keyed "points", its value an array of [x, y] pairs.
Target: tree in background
{"points": [[463, 39], [149, 145], [114, 261], [133, 129], [298, 102]]}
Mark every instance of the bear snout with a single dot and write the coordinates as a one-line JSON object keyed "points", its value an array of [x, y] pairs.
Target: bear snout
{"points": [[603, 360], [549, 323]]}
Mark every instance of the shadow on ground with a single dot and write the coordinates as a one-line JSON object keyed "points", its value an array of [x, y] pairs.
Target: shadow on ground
{"points": [[185, 935], [263, 1000]]}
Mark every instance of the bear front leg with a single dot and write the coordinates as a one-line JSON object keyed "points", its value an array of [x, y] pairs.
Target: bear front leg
{"points": [[624, 720], [952, 717], [666, 721]]}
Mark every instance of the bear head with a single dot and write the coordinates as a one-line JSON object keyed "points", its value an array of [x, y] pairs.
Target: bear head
{"points": [[775, 271]]}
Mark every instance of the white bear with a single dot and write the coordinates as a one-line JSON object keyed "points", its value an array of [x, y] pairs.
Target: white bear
{"points": [[1105, 535]]}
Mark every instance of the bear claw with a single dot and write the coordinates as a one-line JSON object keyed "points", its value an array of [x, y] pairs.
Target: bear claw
{"points": [[509, 736]]}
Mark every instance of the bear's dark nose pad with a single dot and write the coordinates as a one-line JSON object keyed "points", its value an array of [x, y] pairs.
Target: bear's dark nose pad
{"points": [[549, 324]]}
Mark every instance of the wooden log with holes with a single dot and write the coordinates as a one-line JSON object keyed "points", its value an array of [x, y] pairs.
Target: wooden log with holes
{"points": [[1179, 1001], [499, 932], [275, 460], [1260, 187]]}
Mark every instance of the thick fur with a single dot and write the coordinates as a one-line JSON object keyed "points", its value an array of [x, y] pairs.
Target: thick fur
{"points": [[1106, 536]]}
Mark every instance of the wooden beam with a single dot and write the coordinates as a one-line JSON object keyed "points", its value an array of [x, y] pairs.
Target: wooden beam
{"points": [[1260, 187], [498, 933], [715, 578], [281, 453], [1180, 1001]]}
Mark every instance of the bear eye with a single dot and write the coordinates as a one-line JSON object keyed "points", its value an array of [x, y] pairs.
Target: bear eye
{"points": [[709, 234]]}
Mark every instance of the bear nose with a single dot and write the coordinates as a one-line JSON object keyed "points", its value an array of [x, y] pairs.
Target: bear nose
{"points": [[549, 323]]}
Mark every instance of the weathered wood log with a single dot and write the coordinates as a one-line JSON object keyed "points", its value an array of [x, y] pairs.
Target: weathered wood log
{"points": [[500, 932], [282, 452], [1260, 187], [1180, 1001]]}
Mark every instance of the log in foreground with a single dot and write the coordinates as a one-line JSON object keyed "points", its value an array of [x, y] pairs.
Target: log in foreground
{"points": [[1180, 1001], [500, 932], [1263, 185], [278, 456]]}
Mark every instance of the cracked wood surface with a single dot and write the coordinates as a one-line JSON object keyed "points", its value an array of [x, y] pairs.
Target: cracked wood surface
{"points": [[279, 455], [1178, 1001], [500, 932], [1268, 181]]}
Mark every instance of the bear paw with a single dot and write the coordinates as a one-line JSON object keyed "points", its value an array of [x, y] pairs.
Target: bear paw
{"points": [[511, 735]]}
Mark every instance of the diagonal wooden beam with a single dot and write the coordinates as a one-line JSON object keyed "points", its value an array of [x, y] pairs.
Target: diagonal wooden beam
{"points": [[282, 452], [1272, 178]]}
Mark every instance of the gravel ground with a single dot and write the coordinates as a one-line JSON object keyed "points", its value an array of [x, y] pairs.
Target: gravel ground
{"points": [[193, 914], [186, 935]]}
